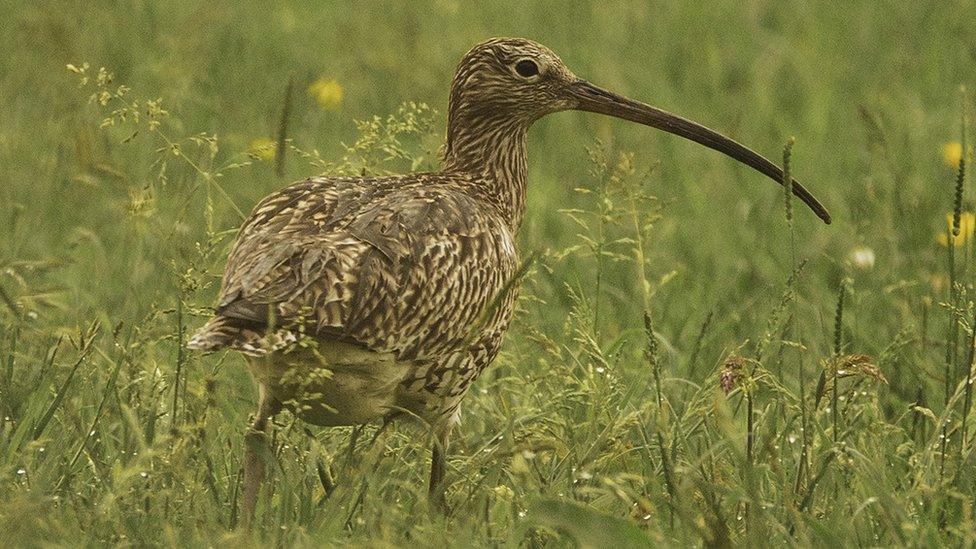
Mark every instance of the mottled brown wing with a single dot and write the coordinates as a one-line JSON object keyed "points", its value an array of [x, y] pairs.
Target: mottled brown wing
{"points": [[407, 268]]}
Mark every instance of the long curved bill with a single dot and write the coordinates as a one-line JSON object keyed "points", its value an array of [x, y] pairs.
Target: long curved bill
{"points": [[595, 99]]}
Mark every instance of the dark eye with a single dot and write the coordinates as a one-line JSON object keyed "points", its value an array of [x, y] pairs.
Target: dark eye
{"points": [[527, 68]]}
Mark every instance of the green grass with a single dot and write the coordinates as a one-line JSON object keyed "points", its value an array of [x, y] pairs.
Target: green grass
{"points": [[597, 425]]}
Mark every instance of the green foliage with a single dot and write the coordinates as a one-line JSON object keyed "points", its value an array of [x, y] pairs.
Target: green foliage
{"points": [[669, 275]]}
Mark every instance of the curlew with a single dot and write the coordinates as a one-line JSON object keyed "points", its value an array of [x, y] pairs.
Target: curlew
{"points": [[357, 299]]}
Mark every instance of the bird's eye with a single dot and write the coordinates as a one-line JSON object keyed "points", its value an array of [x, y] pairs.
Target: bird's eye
{"points": [[527, 68]]}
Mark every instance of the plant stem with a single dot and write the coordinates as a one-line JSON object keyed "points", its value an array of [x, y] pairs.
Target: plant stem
{"points": [[791, 333], [180, 358], [967, 401], [838, 340], [283, 130]]}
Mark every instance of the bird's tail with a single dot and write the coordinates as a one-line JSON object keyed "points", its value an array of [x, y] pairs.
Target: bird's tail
{"points": [[222, 332]]}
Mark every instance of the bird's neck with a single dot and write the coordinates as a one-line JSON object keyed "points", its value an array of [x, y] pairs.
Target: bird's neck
{"points": [[493, 149]]}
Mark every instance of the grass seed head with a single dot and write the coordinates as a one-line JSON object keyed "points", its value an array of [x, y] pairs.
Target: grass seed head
{"points": [[856, 364]]}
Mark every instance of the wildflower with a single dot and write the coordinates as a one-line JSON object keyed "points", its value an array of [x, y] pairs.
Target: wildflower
{"points": [[861, 257], [943, 240], [967, 222], [731, 373], [327, 93], [967, 226], [952, 153], [262, 148]]}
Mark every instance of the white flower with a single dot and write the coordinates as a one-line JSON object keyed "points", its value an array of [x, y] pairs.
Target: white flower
{"points": [[861, 257]]}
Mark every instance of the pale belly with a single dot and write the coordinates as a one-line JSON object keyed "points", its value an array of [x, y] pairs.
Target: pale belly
{"points": [[338, 383]]}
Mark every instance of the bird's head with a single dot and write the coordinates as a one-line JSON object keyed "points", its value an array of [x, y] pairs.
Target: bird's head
{"points": [[512, 82], [512, 78]]}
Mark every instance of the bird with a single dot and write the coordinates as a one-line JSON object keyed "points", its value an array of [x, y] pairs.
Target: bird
{"points": [[362, 299]]}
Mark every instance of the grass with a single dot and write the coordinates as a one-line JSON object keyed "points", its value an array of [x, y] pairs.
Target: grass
{"points": [[663, 272]]}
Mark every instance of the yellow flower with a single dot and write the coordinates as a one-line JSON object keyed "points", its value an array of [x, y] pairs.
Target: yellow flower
{"points": [[263, 148], [943, 240], [967, 223], [952, 153], [327, 93], [967, 227]]}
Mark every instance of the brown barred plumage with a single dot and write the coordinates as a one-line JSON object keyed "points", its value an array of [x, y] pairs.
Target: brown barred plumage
{"points": [[361, 298]]}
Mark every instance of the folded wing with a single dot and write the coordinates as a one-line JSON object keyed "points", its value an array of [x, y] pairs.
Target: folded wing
{"points": [[398, 266]]}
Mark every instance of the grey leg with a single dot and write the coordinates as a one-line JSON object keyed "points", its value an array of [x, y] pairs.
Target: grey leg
{"points": [[255, 451], [438, 462]]}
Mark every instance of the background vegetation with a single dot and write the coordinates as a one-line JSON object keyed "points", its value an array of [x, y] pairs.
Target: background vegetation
{"points": [[586, 431]]}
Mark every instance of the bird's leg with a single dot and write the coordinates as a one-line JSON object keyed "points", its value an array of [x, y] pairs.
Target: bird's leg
{"points": [[387, 421], [255, 451], [351, 450], [438, 462], [348, 468]]}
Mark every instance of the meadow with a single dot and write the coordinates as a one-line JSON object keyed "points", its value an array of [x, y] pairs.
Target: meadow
{"points": [[696, 360]]}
